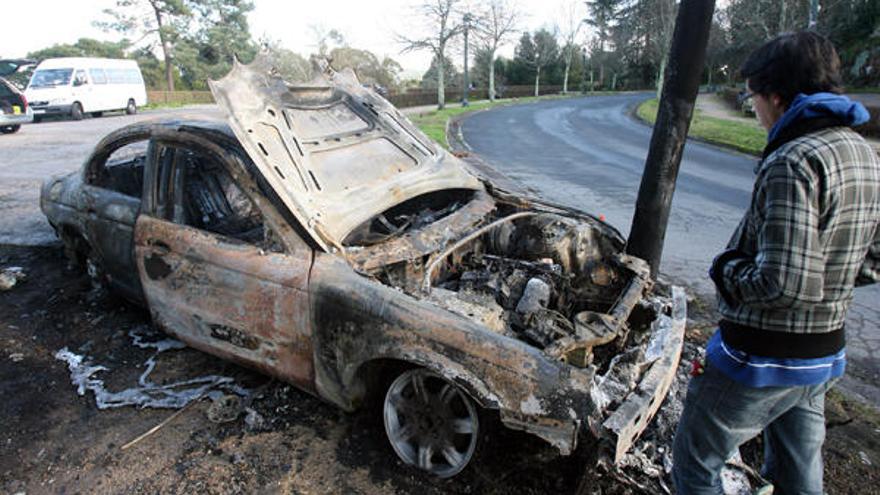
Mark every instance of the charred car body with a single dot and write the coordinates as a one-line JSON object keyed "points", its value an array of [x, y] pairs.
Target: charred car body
{"points": [[321, 238]]}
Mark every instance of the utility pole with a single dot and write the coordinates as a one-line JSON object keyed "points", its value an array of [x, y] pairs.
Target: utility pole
{"points": [[687, 57], [466, 89]]}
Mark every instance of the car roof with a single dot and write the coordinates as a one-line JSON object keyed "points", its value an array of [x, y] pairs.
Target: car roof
{"points": [[79, 62], [197, 126]]}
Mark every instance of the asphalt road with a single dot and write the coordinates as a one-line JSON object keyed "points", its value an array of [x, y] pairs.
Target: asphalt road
{"points": [[56, 147], [590, 152]]}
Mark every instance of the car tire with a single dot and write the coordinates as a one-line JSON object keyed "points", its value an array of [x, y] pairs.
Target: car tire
{"points": [[97, 114], [431, 423], [9, 129], [76, 111], [131, 108]]}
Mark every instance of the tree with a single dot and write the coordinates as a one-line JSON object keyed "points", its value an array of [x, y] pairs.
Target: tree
{"points": [[323, 37], [219, 32], [367, 66], [715, 50], [602, 16], [430, 78], [494, 28], [441, 19], [163, 20], [570, 25], [291, 66], [84, 47], [537, 52], [663, 27]]}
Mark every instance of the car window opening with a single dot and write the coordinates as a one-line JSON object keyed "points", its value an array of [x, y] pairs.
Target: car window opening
{"points": [[123, 170], [208, 199]]}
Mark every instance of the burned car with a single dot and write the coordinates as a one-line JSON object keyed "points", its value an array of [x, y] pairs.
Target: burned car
{"points": [[321, 238]]}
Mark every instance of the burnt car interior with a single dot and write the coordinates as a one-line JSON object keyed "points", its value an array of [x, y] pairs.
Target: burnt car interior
{"points": [[199, 192], [409, 215], [546, 278]]}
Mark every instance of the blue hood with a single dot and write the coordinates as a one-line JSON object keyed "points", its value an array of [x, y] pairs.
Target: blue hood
{"points": [[804, 107]]}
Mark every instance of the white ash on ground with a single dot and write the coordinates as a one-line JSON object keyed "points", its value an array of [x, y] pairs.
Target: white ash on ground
{"points": [[648, 464], [10, 276]]}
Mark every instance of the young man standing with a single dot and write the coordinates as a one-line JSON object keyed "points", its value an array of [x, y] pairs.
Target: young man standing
{"points": [[785, 281]]}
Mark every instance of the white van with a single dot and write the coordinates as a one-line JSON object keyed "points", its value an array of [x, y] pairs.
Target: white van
{"points": [[73, 86]]}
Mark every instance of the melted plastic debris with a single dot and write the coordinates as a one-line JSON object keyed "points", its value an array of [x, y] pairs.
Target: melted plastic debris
{"points": [[147, 394], [622, 375], [661, 330], [649, 461], [11, 276]]}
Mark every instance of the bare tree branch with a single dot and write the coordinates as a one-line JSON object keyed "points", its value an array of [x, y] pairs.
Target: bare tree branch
{"points": [[442, 19]]}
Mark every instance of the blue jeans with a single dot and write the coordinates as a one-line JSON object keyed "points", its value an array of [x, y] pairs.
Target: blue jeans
{"points": [[720, 414]]}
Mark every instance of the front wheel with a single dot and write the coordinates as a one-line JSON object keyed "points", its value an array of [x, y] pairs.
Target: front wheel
{"points": [[131, 108], [76, 111], [9, 129], [431, 423]]}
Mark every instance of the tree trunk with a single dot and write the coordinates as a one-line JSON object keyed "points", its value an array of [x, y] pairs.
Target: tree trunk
{"points": [[166, 48], [782, 14], [814, 14], [660, 76], [565, 78], [537, 79], [441, 87], [492, 76]]}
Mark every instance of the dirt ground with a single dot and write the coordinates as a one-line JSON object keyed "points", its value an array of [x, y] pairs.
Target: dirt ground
{"points": [[53, 440]]}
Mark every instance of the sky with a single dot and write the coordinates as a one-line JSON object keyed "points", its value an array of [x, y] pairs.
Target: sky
{"points": [[367, 25]]}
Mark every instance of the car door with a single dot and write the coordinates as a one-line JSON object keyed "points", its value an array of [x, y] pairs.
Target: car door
{"points": [[111, 193], [83, 91], [211, 272]]}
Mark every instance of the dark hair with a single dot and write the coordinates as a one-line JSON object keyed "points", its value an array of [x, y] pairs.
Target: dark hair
{"points": [[803, 62]]}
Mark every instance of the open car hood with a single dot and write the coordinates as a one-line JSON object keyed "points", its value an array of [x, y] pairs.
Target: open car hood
{"points": [[336, 153]]}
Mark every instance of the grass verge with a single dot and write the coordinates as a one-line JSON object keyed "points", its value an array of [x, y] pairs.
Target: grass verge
{"points": [[734, 135]]}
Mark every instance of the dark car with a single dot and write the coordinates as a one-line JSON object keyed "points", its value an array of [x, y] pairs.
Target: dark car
{"points": [[14, 109], [321, 238]]}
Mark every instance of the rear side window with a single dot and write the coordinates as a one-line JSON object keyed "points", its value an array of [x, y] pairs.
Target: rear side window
{"points": [[98, 76], [124, 76], [123, 170]]}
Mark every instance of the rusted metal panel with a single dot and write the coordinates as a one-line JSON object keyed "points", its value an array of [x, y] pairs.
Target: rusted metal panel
{"points": [[358, 320], [231, 300], [625, 424]]}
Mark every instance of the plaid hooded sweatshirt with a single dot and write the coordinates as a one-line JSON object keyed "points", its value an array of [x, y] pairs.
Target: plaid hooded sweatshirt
{"points": [[810, 235]]}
